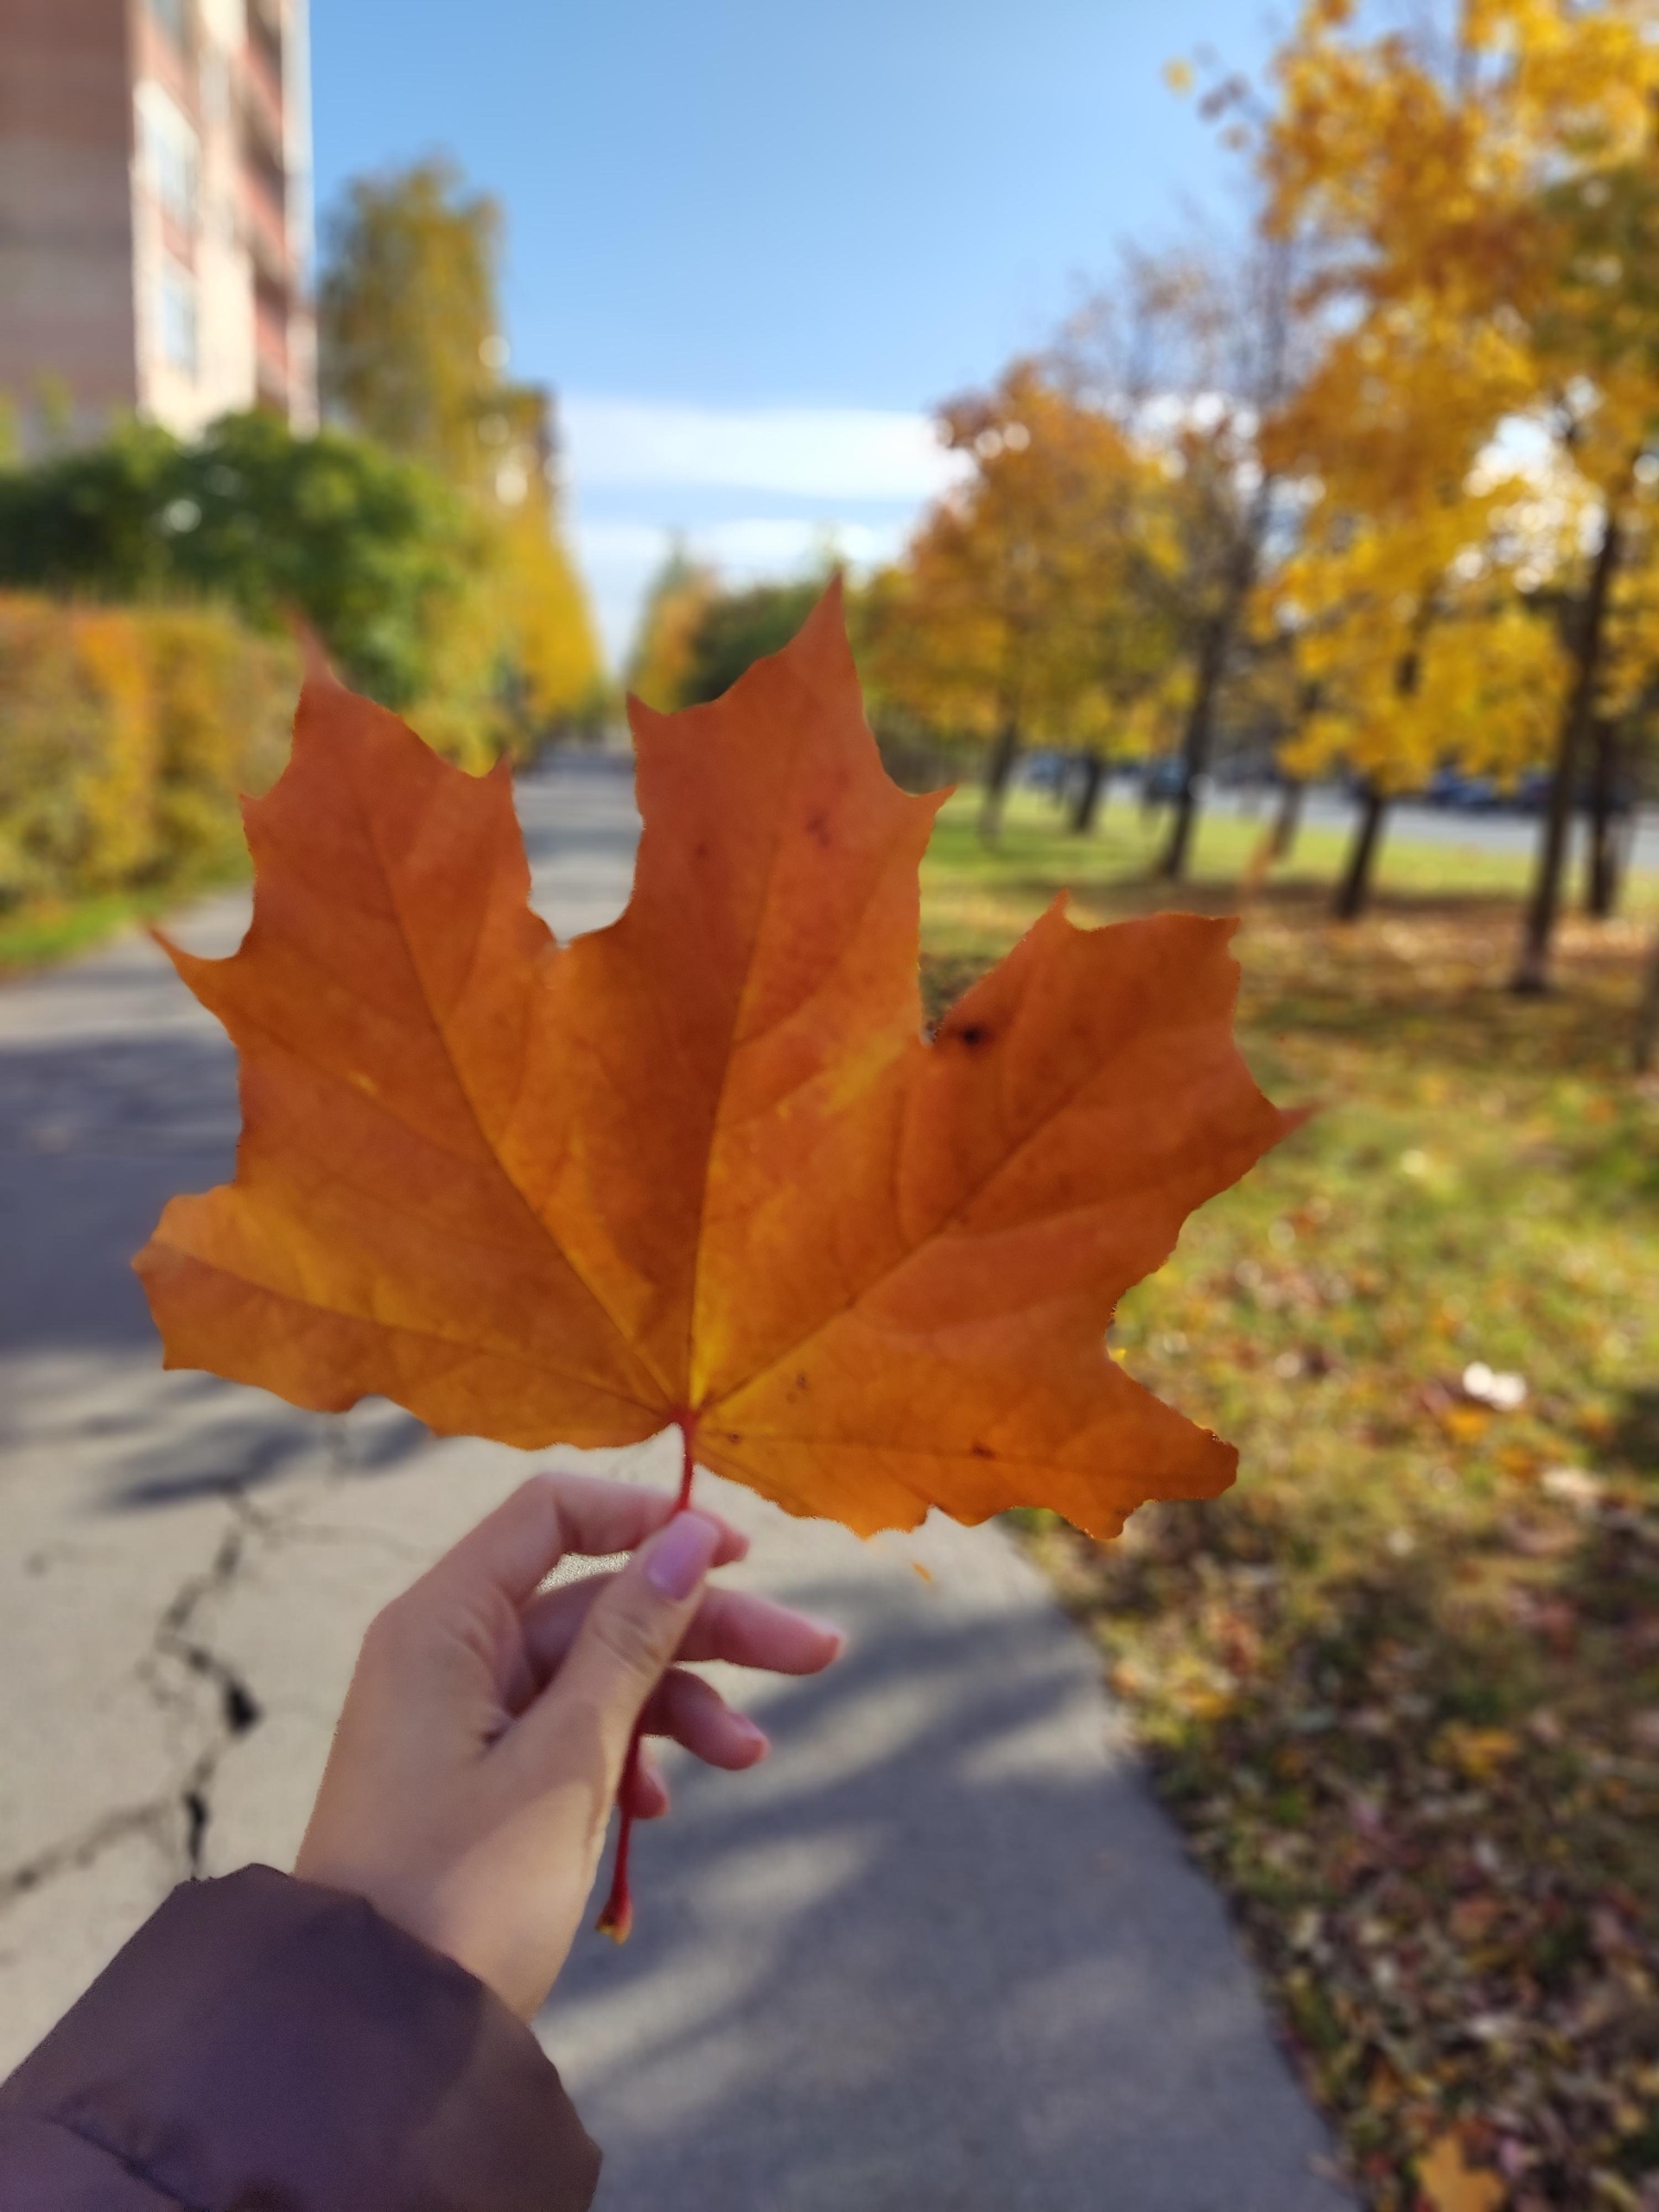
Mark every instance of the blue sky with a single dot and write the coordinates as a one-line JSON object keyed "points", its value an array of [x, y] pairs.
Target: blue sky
{"points": [[752, 242]]}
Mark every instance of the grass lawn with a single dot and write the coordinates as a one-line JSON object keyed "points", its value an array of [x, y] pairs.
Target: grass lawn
{"points": [[1400, 1686], [42, 935], [48, 930]]}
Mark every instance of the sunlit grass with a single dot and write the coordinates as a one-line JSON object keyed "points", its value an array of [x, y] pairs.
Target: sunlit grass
{"points": [[1401, 1684], [45, 932], [53, 931], [975, 893]]}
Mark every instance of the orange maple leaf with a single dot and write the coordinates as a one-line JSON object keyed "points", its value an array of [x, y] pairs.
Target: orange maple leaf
{"points": [[1451, 2184], [703, 1167]]}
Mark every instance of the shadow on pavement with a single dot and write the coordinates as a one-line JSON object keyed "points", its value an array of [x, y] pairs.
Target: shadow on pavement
{"points": [[924, 1960], [96, 1134], [243, 1454]]}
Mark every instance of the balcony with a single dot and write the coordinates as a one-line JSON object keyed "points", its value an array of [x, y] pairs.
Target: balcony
{"points": [[264, 221], [262, 116]]}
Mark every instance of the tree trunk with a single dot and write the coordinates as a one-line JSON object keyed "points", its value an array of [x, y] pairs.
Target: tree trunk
{"points": [[1091, 789], [1197, 742], [1286, 821], [999, 774], [1601, 858], [1531, 976], [1199, 739], [1354, 891], [1647, 1014]]}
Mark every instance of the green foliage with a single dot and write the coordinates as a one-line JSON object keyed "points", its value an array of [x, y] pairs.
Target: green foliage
{"points": [[696, 639], [130, 735], [407, 320], [372, 550], [412, 359], [680, 595], [738, 628]]}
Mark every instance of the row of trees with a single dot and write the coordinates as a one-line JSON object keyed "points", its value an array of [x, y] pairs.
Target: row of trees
{"points": [[696, 638], [1374, 491], [418, 534]]}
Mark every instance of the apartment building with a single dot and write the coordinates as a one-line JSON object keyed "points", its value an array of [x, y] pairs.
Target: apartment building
{"points": [[155, 213]]}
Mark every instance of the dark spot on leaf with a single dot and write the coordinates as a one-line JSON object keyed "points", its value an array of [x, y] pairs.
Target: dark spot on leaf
{"points": [[981, 1452], [817, 829], [972, 1033]]}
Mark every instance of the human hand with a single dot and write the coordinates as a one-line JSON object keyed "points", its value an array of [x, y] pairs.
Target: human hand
{"points": [[482, 1740]]}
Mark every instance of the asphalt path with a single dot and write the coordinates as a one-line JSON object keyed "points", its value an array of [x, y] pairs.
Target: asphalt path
{"points": [[1411, 822], [942, 1952]]}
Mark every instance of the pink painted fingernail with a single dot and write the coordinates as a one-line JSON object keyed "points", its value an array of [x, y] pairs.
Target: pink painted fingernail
{"points": [[678, 1557]]}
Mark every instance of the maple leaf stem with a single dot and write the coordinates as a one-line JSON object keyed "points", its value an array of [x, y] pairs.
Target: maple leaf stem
{"points": [[617, 1917], [687, 1424]]}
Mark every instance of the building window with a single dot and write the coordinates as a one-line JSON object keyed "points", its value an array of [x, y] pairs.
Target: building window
{"points": [[266, 36], [171, 153], [173, 16], [225, 22], [177, 311]]}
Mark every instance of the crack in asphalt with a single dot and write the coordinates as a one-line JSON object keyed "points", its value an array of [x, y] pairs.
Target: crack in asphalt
{"points": [[178, 1816], [179, 1664], [179, 1657], [79, 1850]]}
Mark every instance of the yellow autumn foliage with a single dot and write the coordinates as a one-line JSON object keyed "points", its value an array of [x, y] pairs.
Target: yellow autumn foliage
{"points": [[1416, 649], [680, 596], [1023, 603], [126, 737], [545, 612]]}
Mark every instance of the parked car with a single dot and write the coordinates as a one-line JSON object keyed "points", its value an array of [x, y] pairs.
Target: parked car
{"points": [[1162, 780], [1045, 772], [1465, 794]]}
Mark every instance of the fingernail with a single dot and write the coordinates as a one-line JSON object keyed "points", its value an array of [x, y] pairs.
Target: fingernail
{"points": [[758, 1736], [678, 1556]]}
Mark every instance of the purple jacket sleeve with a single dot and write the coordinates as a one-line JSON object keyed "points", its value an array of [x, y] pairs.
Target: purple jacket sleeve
{"points": [[263, 2042]]}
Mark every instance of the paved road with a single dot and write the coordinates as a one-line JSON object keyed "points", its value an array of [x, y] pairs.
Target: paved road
{"points": [[941, 1952], [1412, 823]]}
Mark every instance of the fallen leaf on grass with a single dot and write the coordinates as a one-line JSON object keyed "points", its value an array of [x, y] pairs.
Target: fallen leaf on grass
{"points": [[1451, 2184], [703, 1167], [1464, 1424]]}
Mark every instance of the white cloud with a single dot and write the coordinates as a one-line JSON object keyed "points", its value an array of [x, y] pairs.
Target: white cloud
{"points": [[644, 473], [768, 545], [834, 453]]}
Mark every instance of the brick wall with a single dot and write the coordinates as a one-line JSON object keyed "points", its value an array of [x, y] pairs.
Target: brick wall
{"points": [[66, 310]]}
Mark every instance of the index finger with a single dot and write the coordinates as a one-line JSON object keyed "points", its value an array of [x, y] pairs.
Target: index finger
{"points": [[515, 1548], [739, 1626]]}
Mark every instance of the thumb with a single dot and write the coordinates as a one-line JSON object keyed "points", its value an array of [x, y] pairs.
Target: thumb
{"points": [[634, 1626]]}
